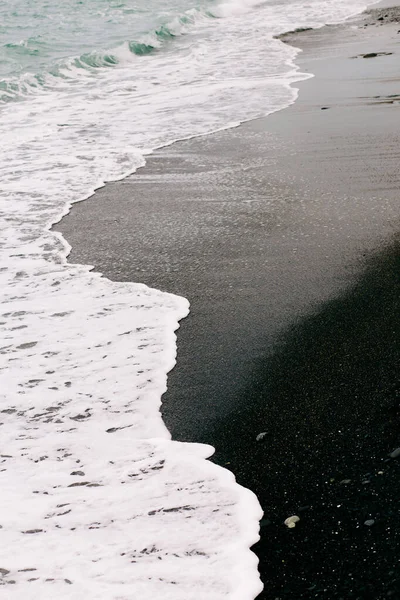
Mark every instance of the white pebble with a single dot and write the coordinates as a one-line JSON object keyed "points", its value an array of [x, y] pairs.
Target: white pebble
{"points": [[261, 436], [369, 522], [291, 521]]}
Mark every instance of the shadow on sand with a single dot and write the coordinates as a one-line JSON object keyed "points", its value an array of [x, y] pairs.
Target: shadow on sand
{"points": [[328, 403]]}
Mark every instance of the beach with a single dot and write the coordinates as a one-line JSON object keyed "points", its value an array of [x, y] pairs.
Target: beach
{"points": [[283, 235]]}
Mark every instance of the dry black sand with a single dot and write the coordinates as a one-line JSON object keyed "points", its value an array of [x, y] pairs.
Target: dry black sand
{"points": [[283, 234]]}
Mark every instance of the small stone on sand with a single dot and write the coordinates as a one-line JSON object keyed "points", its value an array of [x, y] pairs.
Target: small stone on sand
{"points": [[291, 521], [369, 522]]}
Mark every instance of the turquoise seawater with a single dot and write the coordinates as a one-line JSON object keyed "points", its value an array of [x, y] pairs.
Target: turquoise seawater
{"points": [[40, 37], [35, 34]]}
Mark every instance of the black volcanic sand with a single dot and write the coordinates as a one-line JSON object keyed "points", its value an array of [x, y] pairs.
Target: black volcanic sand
{"points": [[283, 235], [328, 403]]}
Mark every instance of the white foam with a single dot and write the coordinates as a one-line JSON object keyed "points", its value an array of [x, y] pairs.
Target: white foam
{"points": [[93, 490], [83, 361]]}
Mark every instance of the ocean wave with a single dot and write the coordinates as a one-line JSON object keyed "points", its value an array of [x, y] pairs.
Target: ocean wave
{"points": [[18, 88]]}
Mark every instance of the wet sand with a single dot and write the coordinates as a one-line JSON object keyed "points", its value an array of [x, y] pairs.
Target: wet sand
{"points": [[283, 234]]}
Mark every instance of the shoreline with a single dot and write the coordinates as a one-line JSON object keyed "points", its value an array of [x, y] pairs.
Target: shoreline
{"points": [[283, 179]]}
